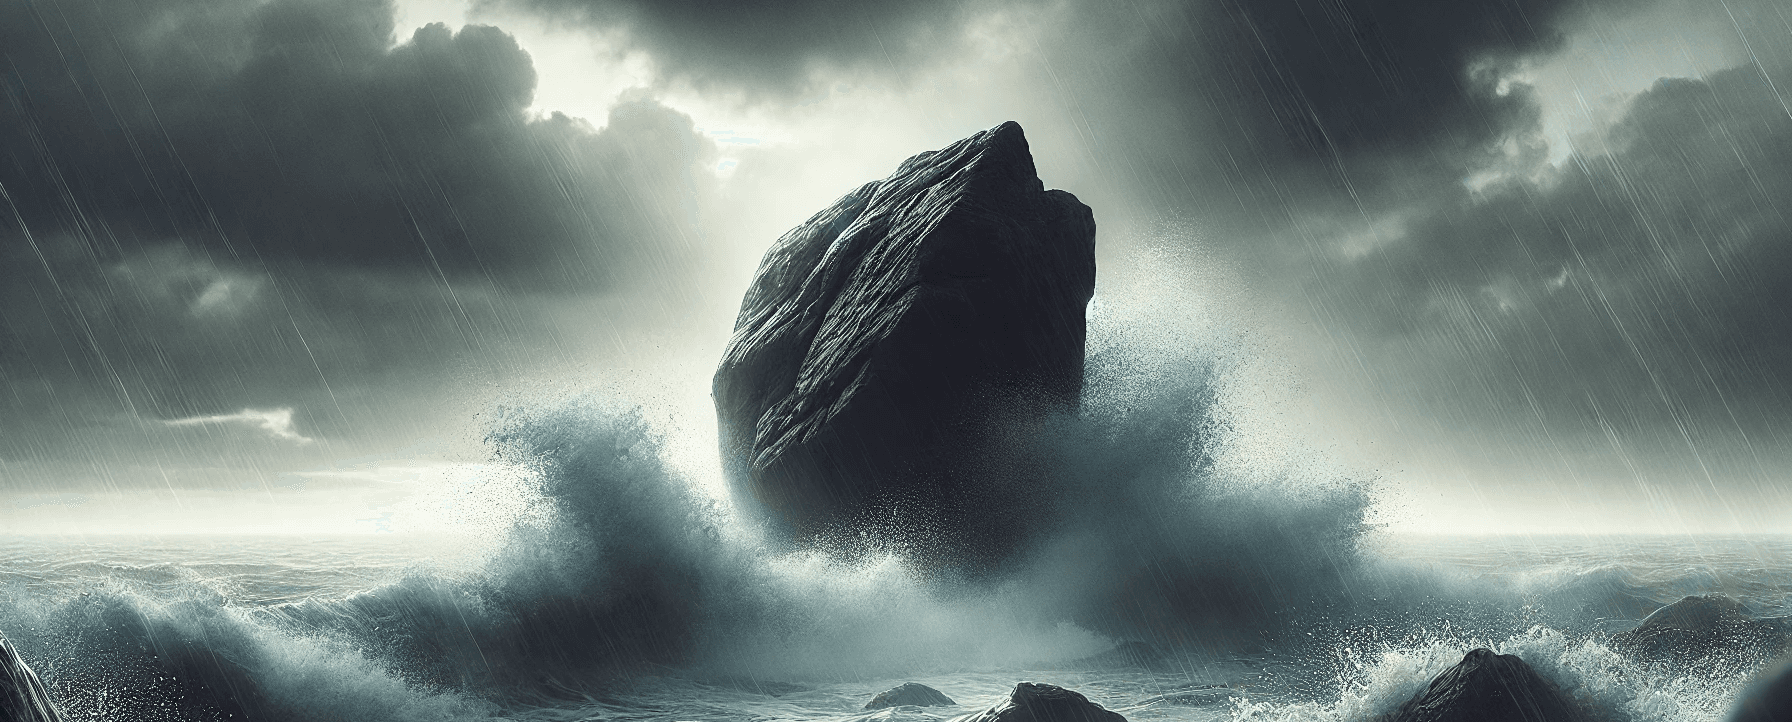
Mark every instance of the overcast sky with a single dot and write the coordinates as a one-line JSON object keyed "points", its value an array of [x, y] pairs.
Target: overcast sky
{"points": [[266, 264]]}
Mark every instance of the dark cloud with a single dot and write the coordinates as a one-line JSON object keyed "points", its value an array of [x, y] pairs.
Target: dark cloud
{"points": [[295, 130], [1639, 297], [237, 204], [1248, 113], [217, 209], [1274, 81]]}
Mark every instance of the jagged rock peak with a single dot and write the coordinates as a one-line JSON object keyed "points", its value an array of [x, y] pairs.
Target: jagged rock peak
{"points": [[1037, 702], [1488, 687], [883, 340]]}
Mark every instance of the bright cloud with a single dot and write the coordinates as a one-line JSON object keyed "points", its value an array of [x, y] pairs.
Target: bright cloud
{"points": [[277, 422]]}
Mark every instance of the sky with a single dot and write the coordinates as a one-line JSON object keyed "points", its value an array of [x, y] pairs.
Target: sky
{"points": [[273, 265]]}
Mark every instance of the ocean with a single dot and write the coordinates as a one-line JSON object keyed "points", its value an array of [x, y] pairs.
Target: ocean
{"points": [[1552, 600], [1175, 575]]}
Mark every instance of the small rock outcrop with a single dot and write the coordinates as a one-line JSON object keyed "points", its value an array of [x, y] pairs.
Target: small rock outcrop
{"points": [[912, 694], [1488, 687], [1700, 626], [22, 695], [1035, 702], [884, 341]]}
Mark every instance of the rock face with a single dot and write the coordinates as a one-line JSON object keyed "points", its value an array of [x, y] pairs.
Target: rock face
{"points": [[911, 694], [1696, 627], [1035, 702], [22, 696], [1488, 687], [887, 339]]}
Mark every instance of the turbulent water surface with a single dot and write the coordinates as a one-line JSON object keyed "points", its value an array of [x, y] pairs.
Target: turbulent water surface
{"points": [[624, 590], [1551, 600]]}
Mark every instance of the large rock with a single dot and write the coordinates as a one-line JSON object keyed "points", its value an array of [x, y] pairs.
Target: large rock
{"points": [[1698, 627], [890, 339], [22, 696], [1035, 702], [910, 694], [1488, 687]]}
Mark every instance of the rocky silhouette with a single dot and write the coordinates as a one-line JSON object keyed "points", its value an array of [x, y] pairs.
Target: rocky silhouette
{"points": [[1036, 702], [887, 343], [1488, 687]]}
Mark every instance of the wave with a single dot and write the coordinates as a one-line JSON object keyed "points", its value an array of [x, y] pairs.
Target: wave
{"points": [[1368, 678], [1140, 528]]}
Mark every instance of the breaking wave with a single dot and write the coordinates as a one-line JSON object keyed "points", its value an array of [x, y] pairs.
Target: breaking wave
{"points": [[630, 566]]}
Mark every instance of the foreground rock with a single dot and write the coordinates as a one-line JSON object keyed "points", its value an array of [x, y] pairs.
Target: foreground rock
{"points": [[22, 696], [1488, 687], [887, 340], [1698, 627], [1769, 699], [912, 694], [1035, 702]]}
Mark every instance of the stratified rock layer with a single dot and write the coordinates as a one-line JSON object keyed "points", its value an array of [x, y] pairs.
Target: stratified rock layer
{"points": [[22, 696], [1036, 702], [886, 340], [1488, 687]]}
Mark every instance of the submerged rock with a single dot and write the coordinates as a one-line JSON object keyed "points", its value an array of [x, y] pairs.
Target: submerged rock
{"points": [[22, 695], [885, 341], [912, 694], [1700, 626], [1036, 702], [1488, 687]]}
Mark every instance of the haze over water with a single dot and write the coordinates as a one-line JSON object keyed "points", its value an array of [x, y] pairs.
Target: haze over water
{"points": [[355, 356]]}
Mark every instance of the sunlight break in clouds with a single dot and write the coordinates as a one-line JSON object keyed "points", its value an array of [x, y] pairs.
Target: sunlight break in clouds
{"points": [[277, 422]]}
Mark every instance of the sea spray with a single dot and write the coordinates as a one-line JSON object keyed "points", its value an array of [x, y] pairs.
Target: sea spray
{"points": [[111, 653], [626, 567], [1366, 681]]}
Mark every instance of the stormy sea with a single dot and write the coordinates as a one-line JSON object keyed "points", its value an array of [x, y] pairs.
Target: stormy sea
{"points": [[1187, 578]]}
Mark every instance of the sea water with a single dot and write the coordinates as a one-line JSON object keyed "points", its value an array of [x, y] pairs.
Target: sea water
{"points": [[625, 589], [1579, 589]]}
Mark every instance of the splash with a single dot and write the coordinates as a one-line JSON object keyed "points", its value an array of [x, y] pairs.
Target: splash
{"points": [[1151, 526]]}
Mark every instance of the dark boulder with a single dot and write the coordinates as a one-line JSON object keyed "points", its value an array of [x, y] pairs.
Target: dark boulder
{"points": [[1488, 687], [1035, 702], [1699, 627], [22, 696], [1769, 699], [887, 343], [912, 694]]}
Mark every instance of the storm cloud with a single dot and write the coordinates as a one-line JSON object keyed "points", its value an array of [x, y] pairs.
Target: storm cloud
{"points": [[280, 205], [300, 131], [1540, 240]]}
